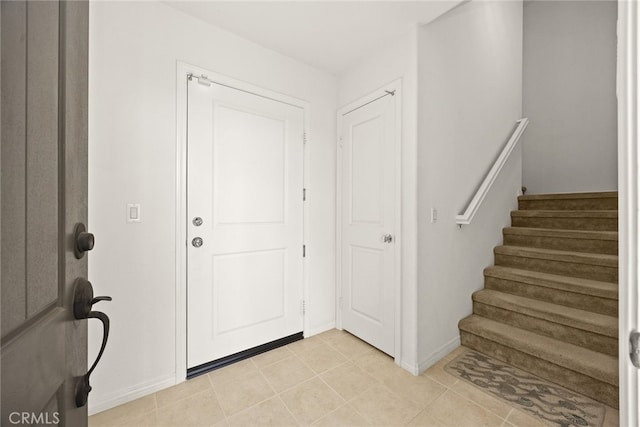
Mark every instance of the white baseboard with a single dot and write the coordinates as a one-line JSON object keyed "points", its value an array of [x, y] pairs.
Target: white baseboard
{"points": [[319, 329], [120, 397], [437, 355], [412, 368]]}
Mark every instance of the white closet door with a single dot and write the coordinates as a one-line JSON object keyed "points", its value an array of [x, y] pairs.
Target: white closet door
{"points": [[368, 223]]}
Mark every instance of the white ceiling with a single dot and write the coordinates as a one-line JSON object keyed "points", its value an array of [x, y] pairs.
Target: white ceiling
{"points": [[329, 35]]}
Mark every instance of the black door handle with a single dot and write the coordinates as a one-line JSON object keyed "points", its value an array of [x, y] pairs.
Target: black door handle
{"points": [[82, 303]]}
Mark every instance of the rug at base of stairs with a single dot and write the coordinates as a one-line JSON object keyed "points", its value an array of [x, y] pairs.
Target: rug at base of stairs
{"points": [[553, 404]]}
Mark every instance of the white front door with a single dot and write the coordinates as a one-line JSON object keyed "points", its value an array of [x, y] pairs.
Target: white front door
{"points": [[245, 221], [368, 222]]}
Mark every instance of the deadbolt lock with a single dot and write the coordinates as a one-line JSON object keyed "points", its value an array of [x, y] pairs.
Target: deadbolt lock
{"points": [[197, 221]]}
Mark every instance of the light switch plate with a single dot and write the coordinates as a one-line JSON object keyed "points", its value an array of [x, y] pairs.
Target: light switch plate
{"points": [[434, 215], [133, 212]]}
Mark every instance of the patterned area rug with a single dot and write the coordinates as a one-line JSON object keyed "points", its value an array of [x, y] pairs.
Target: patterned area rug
{"points": [[553, 404]]}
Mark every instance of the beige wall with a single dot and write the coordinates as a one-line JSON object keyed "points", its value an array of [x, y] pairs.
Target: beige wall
{"points": [[470, 96], [570, 96], [397, 60], [134, 49]]}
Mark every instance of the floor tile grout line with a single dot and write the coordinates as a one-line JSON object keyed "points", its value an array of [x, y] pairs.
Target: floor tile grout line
{"points": [[352, 359], [251, 407], [275, 393], [322, 372], [348, 356], [332, 389], [268, 382], [317, 375], [439, 382], [288, 409], [417, 415], [478, 405], [215, 393], [482, 406], [274, 362], [509, 414], [334, 411], [159, 407]]}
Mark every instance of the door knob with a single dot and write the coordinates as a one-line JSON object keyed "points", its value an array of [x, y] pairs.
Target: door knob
{"points": [[197, 242], [634, 348], [83, 301], [387, 238], [82, 241]]}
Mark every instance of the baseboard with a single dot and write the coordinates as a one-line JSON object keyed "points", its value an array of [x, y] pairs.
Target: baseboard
{"points": [[135, 392], [437, 355], [128, 394], [319, 329], [412, 368]]}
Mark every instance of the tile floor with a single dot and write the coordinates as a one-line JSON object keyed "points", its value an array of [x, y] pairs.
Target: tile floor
{"points": [[331, 379]]}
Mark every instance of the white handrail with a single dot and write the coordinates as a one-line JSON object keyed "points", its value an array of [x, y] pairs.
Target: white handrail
{"points": [[491, 176]]}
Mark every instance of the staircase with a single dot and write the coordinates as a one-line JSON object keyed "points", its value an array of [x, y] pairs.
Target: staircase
{"points": [[550, 302]]}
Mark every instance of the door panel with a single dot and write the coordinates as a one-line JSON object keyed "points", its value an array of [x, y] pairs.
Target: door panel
{"points": [[14, 75], [367, 286], [245, 182], [249, 160], [367, 171], [44, 194], [368, 196], [42, 155], [234, 279]]}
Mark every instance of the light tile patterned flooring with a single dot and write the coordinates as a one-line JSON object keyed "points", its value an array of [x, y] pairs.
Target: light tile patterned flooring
{"points": [[331, 379]]}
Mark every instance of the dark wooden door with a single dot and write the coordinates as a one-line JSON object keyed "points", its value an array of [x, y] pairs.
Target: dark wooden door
{"points": [[43, 196]]}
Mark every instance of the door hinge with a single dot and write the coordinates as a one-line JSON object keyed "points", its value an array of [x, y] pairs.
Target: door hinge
{"points": [[304, 194], [634, 348], [303, 307], [304, 251], [340, 141], [304, 137]]}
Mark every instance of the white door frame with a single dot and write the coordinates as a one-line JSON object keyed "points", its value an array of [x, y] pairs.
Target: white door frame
{"points": [[183, 70], [396, 88], [628, 214]]}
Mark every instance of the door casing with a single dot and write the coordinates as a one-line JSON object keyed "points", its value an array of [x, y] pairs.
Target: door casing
{"points": [[628, 216], [395, 87], [183, 70]]}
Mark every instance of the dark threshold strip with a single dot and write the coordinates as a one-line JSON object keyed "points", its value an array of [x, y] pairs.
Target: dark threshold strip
{"points": [[245, 354]]}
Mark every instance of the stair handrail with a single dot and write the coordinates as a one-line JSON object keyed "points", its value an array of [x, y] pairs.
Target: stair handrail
{"points": [[481, 193]]}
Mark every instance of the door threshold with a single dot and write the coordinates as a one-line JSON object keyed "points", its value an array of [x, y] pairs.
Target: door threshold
{"points": [[242, 355]]}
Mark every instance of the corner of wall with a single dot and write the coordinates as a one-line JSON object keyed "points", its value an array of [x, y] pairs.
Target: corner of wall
{"points": [[438, 354], [468, 107]]}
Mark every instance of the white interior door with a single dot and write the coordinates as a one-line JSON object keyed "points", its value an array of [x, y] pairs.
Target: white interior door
{"points": [[368, 197], [245, 179]]}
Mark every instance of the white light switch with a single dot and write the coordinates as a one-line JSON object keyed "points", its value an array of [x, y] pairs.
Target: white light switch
{"points": [[133, 212], [434, 215]]}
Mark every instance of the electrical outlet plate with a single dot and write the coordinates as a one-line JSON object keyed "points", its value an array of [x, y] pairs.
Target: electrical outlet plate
{"points": [[133, 212]]}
